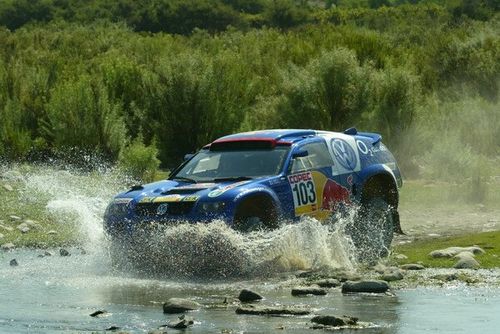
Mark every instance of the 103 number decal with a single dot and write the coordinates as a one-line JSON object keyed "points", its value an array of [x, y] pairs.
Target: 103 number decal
{"points": [[303, 189]]}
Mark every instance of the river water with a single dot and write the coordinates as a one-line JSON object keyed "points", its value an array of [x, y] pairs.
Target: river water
{"points": [[209, 264]]}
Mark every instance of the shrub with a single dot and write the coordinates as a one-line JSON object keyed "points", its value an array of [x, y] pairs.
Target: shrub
{"points": [[139, 161]]}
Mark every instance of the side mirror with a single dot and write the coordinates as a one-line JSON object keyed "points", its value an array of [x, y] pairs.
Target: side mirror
{"points": [[300, 154], [188, 156]]}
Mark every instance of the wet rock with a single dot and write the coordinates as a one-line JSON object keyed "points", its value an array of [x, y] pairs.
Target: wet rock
{"points": [[334, 321], [369, 286], [8, 246], [446, 277], [99, 314], [412, 266], [304, 273], [182, 323], [271, 310], [247, 296], [453, 251], [13, 263], [392, 275], [64, 252], [308, 290], [158, 331], [52, 232], [179, 305], [8, 187], [113, 328], [23, 228], [466, 260], [44, 254], [327, 283], [14, 217]]}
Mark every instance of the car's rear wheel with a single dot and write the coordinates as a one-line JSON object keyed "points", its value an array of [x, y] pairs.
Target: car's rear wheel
{"points": [[372, 231]]}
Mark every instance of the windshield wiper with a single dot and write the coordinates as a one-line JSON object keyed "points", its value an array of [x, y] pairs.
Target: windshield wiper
{"points": [[182, 178], [233, 178]]}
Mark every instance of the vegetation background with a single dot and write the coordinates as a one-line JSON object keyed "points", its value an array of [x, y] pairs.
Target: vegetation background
{"points": [[141, 83]]}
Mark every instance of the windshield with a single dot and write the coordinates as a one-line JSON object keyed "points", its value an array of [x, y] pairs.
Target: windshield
{"points": [[227, 165]]}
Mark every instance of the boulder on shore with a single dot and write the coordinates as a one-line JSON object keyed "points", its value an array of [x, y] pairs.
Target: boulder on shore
{"points": [[368, 286], [179, 305], [453, 251], [412, 266], [466, 260], [308, 290]]}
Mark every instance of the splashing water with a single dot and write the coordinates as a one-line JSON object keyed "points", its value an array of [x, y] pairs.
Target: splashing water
{"points": [[211, 250]]}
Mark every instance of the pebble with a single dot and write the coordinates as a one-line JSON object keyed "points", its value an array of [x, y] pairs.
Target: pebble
{"points": [[452, 251], [52, 232], [1, 235], [8, 187], [13, 217], [369, 286], [32, 224], [113, 328], [334, 321], [466, 260], [64, 252], [412, 266], [8, 246], [23, 228], [393, 275], [308, 290], [13, 263], [247, 296], [179, 305], [7, 228], [271, 310], [401, 257]]}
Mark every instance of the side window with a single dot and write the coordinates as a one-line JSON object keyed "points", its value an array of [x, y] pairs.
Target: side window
{"points": [[317, 157]]}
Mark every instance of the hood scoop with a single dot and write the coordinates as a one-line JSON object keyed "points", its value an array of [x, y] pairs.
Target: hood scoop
{"points": [[181, 191]]}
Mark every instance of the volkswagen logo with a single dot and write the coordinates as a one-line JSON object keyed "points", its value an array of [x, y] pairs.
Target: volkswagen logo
{"points": [[162, 209], [344, 154]]}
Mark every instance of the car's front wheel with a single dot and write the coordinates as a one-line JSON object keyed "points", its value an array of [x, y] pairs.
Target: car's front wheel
{"points": [[372, 230], [255, 213]]}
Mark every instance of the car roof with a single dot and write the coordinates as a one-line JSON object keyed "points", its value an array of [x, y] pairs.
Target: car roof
{"points": [[283, 135]]}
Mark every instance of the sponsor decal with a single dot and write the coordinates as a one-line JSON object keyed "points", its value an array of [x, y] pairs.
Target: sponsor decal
{"points": [[168, 198], [220, 191], [192, 198], [162, 209], [344, 154], [197, 186], [362, 147], [122, 200], [350, 180], [304, 192]]}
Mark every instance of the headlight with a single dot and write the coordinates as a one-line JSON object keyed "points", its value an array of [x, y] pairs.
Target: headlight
{"points": [[212, 206], [116, 209]]}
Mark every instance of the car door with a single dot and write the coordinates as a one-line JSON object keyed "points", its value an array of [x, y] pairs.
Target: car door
{"points": [[314, 188]]}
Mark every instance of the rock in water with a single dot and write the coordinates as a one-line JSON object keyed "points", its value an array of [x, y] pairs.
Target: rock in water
{"points": [[64, 252], [392, 275], [369, 286], [13, 263], [182, 323], [271, 310], [334, 321], [248, 296], [179, 305], [99, 314], [309, 290], [113, 328], [8, 246], [327, 283]]}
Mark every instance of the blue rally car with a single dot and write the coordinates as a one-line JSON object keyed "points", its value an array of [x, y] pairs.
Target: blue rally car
{"points": [[258, 179]]}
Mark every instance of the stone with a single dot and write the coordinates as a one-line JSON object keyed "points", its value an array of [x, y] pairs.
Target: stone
{"points": [[23, 228], [8, 246], [52, 232], [452, 251], [6, 228], [412, 266], [248, 296], [327, 283], [14, 217], [64, 252], [466, 260], [182, 323], [32, 224], [308, 290], [8, 187], [446, 277], [113, 328], [369, 286], [271, 310], [392, 275], [400, 257], [13, 263], [179, 305], [99, 314], [158, 331], [1, 236], [334, 321]]}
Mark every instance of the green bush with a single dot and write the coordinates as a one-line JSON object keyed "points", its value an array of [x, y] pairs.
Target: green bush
{"points": [[139, 161]]}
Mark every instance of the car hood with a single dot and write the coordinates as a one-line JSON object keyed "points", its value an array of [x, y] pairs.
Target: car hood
{"points": [[177, 191]]}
